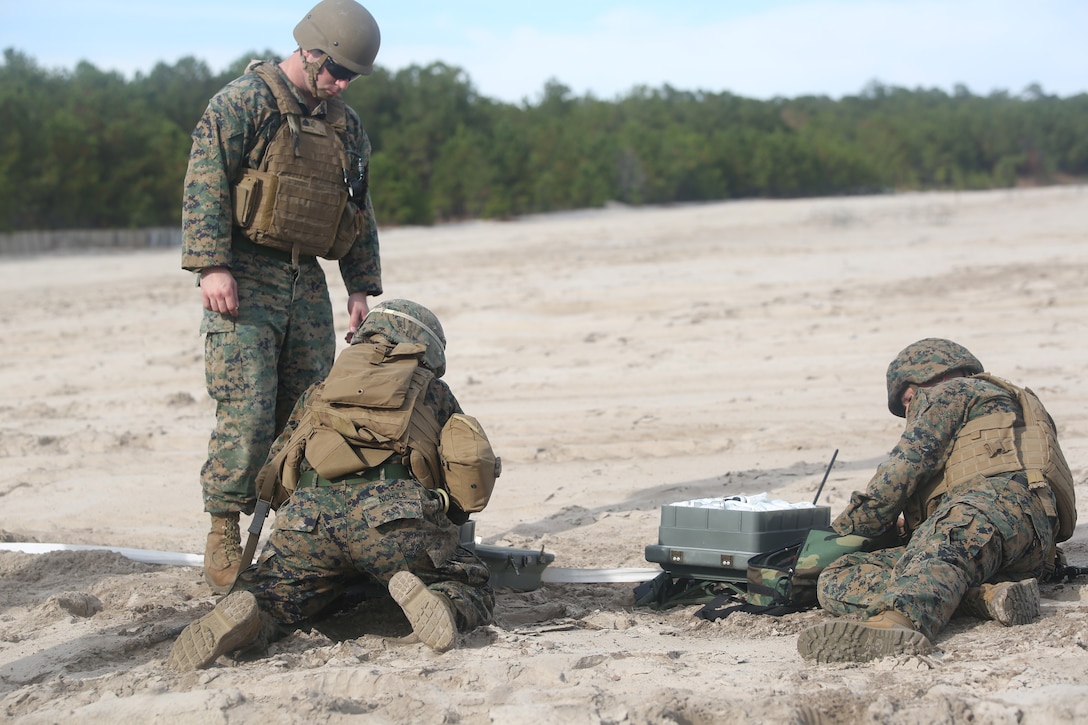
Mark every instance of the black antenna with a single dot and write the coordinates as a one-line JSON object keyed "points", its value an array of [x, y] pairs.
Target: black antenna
{"points": [[826, 474]]}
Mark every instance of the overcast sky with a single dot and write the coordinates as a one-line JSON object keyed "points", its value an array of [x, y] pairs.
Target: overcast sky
{"points": [[511, 48]]}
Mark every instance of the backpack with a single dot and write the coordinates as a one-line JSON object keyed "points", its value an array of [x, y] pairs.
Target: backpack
{"points": [[783, 581]]}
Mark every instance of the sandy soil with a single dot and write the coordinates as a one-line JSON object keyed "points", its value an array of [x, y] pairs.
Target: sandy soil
{"points": [[620, 360]]}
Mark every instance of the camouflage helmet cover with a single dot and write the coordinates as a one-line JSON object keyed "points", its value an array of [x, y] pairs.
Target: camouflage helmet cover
{"points": [[345, 31], [923, 362], [406, 321]]}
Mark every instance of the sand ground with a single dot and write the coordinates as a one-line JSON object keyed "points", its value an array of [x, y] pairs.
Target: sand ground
{"points": [[620, 360]]}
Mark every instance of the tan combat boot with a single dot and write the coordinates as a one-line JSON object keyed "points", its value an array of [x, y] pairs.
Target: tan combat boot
{"points": [[888, 633], [1009, 603], [234, 623], [223, 552], [430, 613]]}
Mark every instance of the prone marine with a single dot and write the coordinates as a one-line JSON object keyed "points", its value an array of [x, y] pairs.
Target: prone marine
{"points": [[983, 493]]}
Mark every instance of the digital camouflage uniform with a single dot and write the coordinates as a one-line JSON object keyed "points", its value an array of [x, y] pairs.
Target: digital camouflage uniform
{"points": [[282, 340], [986, 530], [328, 538], [377, 528]]}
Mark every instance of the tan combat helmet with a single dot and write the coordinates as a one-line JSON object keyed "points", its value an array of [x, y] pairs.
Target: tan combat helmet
{"points": [[345, 31], [923, 362], [406, 321]]}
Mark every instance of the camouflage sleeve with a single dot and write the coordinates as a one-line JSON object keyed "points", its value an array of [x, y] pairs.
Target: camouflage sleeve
{"points": [[935, 416], [441, 400], [220, 141], [361, 267]]}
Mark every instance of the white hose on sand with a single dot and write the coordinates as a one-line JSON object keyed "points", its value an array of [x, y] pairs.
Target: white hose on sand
{"points": [[559, 575], [147, 556], [550, 575]]}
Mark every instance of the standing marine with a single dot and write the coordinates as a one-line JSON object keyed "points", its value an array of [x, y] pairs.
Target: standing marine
{"points": [[981, 493], [278, 176]]}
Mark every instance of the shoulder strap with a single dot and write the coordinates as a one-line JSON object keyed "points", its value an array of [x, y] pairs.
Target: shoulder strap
{"points": [[285, 99], [287, 102]]}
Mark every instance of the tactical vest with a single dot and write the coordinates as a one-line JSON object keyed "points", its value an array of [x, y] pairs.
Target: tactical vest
{"points": [[993, 444], [297, 200], [369, 409]]}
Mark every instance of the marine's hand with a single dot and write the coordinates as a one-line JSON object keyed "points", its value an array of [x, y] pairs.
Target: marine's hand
{"points": [[357, 309], [219, 290]]}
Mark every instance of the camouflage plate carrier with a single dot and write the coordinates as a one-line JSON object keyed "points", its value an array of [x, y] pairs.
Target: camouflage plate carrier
{"points": [[993, 444]]}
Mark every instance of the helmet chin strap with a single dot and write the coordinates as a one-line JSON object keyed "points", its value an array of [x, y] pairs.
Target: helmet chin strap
{"points": [[313, 68]]}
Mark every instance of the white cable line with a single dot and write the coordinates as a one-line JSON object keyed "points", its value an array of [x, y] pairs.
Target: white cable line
{"points": [[147, 556], [553, 575]]}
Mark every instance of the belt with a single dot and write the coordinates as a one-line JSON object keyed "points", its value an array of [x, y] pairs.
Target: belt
{"points": [[282, 255], [384, 472]]}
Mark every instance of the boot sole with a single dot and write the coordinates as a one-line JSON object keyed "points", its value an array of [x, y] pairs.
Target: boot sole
{"points": [[431, 619], [841, 641], [233, 623], [1015, 604]]}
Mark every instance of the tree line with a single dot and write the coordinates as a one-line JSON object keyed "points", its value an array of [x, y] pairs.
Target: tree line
{"points": [[85, 148]]}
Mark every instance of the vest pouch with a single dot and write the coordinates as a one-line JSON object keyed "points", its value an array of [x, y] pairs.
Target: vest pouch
{"points": [[372, 376], [469, 464], [252, 198], [246, 196], [332, 457]]}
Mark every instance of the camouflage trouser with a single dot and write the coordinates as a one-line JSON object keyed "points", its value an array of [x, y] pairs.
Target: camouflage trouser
{"points": [[327, 539], [257, 365], [975, 537]]}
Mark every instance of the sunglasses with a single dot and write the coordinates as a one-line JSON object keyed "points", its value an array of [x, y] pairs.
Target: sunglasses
{"points": [[338, 71]]}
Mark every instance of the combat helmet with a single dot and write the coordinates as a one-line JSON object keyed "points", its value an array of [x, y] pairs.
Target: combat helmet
{"points": [[923, 362], [345, 31], [406, 321]]}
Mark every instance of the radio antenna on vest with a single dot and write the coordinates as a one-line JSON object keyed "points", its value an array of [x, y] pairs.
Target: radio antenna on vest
{"points": [[826, 474]]}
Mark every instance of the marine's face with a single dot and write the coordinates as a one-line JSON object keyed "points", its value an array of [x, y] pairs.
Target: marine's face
{"points": [[332, 79]]}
